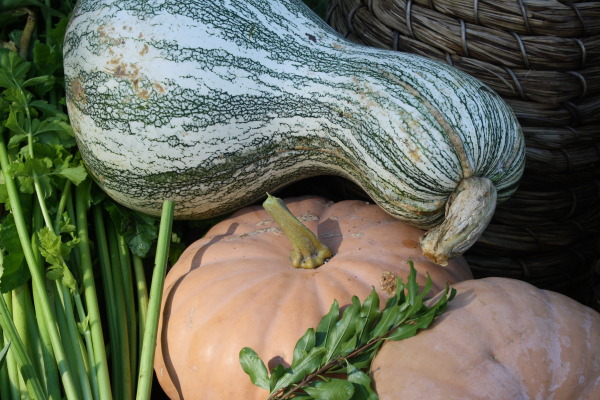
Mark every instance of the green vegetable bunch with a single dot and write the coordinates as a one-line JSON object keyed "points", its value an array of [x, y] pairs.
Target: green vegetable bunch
{"points": [[76, 319], [330, 362]]}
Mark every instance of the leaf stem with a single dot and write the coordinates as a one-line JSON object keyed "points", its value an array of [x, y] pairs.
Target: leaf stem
{"points": [[82, 369], [142, 297], [128, 297], [100, 366], [32, 380], [121, 341], [50, 370], [109, 295]]}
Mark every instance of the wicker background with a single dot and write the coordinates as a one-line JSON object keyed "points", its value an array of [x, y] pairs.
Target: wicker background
{"points": [[543, 58]]}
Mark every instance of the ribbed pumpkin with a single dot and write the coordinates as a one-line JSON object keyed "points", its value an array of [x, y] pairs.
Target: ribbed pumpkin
{"points": [[498, 339], [236, 287]]}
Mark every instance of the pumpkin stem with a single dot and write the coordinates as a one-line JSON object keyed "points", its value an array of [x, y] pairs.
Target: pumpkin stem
{"points": [[307, 250], [468, 212]]}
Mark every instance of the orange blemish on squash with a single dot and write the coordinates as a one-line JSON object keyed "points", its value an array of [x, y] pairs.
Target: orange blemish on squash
{"points": [[411, 244], [77, 92]]}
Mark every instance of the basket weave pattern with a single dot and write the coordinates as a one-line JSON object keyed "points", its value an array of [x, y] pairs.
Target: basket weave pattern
{"points": [[543, 58]]}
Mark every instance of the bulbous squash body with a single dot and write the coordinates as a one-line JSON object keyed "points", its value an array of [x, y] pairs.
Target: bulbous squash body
{"points": [[498, 339], [213, 103], [236, 288]]}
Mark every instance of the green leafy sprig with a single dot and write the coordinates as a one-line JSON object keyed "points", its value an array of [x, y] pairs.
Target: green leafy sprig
{"points": [[345, 343]]}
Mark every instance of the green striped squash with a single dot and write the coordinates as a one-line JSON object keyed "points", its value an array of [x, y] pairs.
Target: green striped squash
{"points": [[213, 103]]}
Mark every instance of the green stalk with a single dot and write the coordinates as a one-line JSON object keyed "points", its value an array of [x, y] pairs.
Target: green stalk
{"points": [[100, 366], [142, 297], [12, 370], [50, 370], [72, 338], [32, 381], [128, 296], [68, 340], [109, 296], [30, 333], [62, 204], [144, 386], [121, 344], [20, 321], [89, 351], [36, 277], [85, 330], [5, 385]]}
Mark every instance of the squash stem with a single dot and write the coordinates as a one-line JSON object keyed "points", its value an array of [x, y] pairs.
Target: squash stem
{"points": [[468, 212], [307, 250]]}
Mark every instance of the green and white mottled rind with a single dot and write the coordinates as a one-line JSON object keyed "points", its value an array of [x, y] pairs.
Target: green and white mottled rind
{"points": [[213, 103]]}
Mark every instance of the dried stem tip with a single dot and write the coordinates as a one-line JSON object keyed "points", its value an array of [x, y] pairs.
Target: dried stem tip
{"points": [[307, 250], [468, 212]]}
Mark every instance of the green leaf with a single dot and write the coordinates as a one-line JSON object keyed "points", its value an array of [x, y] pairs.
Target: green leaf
{"points": [[38, 80], [13, 69], [309, 363], [140, 231], [254, 367], [276, 374], [75, 174], [47, 59], [334, 389], [362, 383], [343, 330], [327, 323], [50, 246], [16, 139], [13, 269], [53, 128], [409, 330], [13, 123], [24, 172], [386, 322], [369, 312], [304, 346], [48, 110]]}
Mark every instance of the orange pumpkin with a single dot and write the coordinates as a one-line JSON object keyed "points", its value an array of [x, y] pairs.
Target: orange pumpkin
{"points": [[498, 339], [236, 287]]}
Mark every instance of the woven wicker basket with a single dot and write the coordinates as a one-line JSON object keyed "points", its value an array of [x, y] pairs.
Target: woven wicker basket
{"points": [[543, 58]]}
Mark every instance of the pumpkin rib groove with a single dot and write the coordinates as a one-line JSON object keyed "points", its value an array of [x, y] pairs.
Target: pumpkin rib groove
{"points": [[246, 277]]}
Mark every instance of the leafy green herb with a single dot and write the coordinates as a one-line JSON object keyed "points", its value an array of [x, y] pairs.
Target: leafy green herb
{"points": [[346, 343]]}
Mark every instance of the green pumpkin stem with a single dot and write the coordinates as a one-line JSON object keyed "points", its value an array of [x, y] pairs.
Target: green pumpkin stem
{"points": [[307, 250]]}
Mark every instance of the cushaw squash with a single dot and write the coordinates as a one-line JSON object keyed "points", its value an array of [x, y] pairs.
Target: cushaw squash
{"points": [[498, 339], [213, 103], [236, 287]]}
